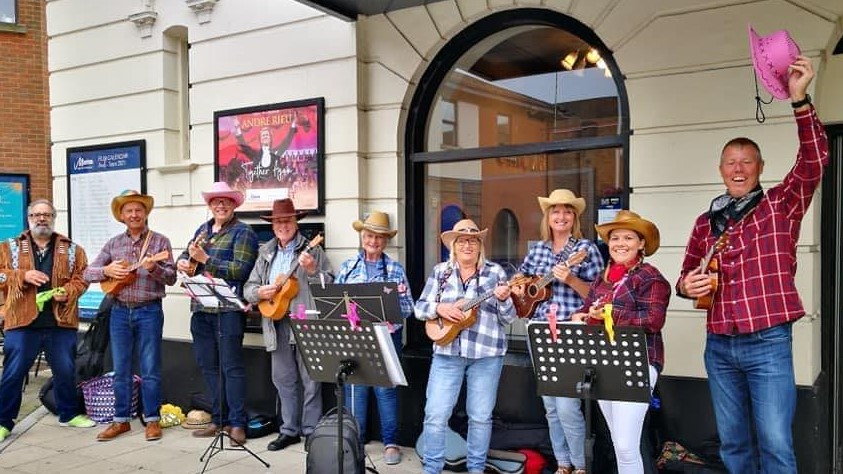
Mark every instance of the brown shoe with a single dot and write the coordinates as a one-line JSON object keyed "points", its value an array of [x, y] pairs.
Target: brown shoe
{"points": [[153, 431], [114, 430], [238, 436], [207, 432]]}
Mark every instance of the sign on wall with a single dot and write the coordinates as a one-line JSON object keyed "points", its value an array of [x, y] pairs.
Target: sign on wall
{"points": [[14, 199], [95, 175], [273, 152]]}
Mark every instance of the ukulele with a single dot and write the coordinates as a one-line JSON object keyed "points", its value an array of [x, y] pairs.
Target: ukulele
{"points": [[192, 264], [276, 307], [113, 286], [442, 331], [538, 289], [711, 265]]}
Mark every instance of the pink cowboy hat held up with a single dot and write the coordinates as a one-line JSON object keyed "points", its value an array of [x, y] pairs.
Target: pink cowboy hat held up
{"points": [[772, 55]]}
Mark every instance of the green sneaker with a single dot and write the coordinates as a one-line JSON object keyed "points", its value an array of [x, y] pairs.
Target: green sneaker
{"points": [[4, 433], [79, 421]]}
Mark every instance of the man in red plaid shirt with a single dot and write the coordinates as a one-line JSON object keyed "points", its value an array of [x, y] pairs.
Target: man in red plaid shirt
{"points": [[748, 353]]}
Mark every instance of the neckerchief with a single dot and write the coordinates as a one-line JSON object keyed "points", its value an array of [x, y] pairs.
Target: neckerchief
{"points": [[725, 209]]}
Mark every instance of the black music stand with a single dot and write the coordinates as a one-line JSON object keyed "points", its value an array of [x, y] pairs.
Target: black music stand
{"points": [[215, 293], [376, 302], [335, 352], [582, 363]]}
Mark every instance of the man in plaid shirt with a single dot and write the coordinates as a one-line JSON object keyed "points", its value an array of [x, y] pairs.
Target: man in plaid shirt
{"points": [[748, 354]]}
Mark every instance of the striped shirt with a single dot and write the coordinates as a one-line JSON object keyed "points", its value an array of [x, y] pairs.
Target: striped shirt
{"points": [[541, 260], [354, 270], [487, 336], [149, 285], [757, 287]]}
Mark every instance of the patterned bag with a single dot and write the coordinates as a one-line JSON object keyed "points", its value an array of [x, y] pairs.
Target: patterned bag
{"points": [[99, 397]]}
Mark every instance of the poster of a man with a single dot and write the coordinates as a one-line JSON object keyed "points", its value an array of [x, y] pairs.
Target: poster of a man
{"points": [[272, 152]]}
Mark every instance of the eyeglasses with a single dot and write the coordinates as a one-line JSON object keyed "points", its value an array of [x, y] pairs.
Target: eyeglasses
{"points": [[469, 242], [41, 215], [221, 202]]}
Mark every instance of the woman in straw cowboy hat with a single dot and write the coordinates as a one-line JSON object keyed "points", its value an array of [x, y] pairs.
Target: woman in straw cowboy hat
{"points": [[634, 293], [476, 354], [226, 248], [372, 264], [562, 239]]}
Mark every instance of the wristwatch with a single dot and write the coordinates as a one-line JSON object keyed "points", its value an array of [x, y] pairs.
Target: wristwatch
{"points": [[800, 103]]}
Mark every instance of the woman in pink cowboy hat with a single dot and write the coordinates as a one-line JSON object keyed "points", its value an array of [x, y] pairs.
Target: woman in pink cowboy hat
{"points": [[226, 248], [635, 294]]}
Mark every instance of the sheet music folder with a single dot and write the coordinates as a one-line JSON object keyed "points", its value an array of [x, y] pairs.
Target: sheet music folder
{"points": [[376, 302], [212, 292]]}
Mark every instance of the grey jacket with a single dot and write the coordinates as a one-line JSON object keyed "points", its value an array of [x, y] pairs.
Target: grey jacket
{"points": [[260, 277]]}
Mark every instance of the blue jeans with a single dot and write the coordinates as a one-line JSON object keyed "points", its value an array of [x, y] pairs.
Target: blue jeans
{"points": [[137, 329], [566, 425], [218, 336], [443, 388], [21, 347], [357, 400], [752, 384]]}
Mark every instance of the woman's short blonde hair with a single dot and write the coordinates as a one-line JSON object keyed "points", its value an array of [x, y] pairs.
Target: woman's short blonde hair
{"points": [[544, 226]]}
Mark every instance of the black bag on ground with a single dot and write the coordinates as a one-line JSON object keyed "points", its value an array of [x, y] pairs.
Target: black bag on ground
{"points": [[47, 397], [321, 445], [91, 349]]}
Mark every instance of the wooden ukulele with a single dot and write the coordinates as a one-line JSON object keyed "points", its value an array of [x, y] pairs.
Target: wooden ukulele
{"points": [[113, 286], [199, 241], [538, 289], [710, 264], [276, 307], [442, 331]]}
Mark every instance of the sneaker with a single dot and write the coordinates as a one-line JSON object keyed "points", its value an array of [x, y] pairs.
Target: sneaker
{"points": [[79, 421], [4, 433], [392, 456]]}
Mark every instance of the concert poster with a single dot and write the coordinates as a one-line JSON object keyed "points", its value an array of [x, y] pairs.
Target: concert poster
{"points": [[273, 152]]}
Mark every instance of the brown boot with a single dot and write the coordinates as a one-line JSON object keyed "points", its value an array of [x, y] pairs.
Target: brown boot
{"points": [[114, 430], [153, 431], [238, 436], [207, 432]]}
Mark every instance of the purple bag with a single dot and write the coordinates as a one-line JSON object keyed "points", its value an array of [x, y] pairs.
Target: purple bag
{"points": [[99, 397]]}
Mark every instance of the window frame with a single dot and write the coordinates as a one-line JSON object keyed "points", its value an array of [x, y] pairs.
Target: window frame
{"points": [[15, 16]]}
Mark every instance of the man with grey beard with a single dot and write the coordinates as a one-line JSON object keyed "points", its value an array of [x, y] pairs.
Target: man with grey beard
{"points": [[41, 276]]}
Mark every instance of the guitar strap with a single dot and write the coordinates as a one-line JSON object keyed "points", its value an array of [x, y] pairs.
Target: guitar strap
{"points": [[566, 251], [442, 280], [145, 245]]}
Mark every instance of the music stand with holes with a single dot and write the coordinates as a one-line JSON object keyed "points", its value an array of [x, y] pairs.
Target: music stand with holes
{"points": [[376, 302], [215, 293], [582, 363], [335, 352]]}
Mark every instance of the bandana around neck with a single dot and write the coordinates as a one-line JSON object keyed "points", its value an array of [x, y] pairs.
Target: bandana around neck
{"points": [[725, 209]]}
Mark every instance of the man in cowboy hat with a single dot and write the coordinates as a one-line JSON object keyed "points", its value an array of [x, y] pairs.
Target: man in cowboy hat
{"points": [[137, 317], [748, 353], [41, 275], [372, 264], [226, 248], [275, 259]]}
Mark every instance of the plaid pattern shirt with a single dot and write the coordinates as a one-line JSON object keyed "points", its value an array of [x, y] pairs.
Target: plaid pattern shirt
{"points": [[757, 288], [541, 260], [149, 285], [231, 255], [487, 337], [640, 300], [353, 270]]}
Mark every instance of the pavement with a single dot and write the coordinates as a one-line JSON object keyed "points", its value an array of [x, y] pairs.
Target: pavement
{"points": [[39, 445]]}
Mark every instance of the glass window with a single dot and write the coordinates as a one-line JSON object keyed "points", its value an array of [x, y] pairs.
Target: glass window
{"points": [[8, 11]]}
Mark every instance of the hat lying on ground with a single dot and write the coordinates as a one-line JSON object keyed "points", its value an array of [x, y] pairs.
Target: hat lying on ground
{"points": [[196, 419]]}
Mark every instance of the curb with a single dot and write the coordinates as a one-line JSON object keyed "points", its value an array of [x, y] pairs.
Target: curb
{"points": [[24, 426]]}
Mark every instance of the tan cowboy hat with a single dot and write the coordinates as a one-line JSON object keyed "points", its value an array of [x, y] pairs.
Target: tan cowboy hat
{"points": [[564, 197], [127, 196], [221, 189], [632, 221], [463, 227], [283, 208], [196, 419], [377, 222]]}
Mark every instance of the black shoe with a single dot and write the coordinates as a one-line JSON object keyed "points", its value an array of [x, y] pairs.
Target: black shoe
{"points": [[282, 441]]}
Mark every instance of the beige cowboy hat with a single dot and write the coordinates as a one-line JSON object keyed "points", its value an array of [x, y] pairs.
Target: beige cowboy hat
{"points": [[564, 197], [196, 419], [377, 222], [221, 189], [465, 227], [283, 208], [632, 221], [127, 196]]}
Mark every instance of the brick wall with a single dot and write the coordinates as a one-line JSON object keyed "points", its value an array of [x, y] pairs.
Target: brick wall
{"points": [[24, 99]]}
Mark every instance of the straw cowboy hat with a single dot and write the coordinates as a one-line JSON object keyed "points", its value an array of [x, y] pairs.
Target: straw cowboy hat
{"points": [[377, 222], [632, 221], [127, 196], [196, 419], [772, 55], [221, 189], [283, 208], [465, 227], [564, 197]]}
